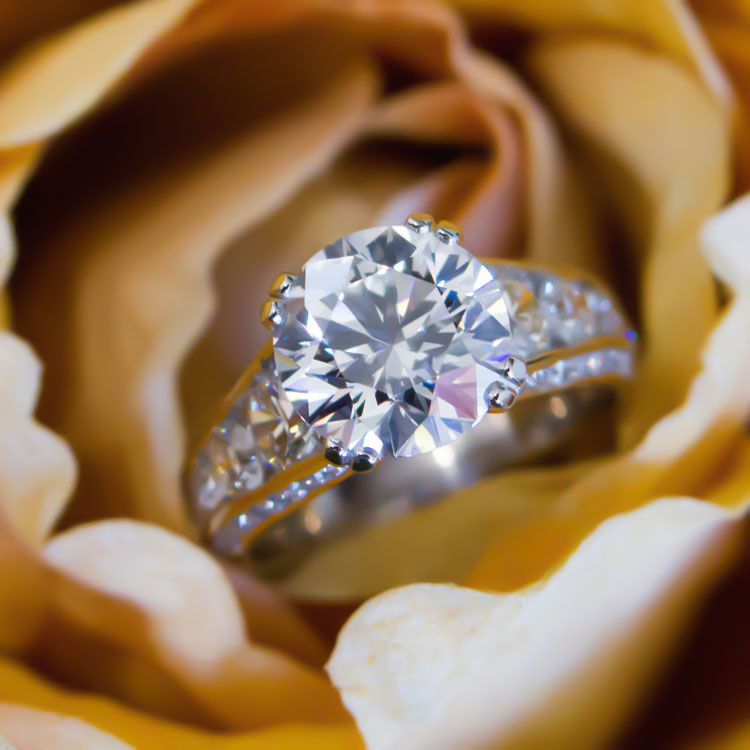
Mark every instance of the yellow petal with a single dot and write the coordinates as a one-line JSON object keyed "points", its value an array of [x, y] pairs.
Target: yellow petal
{"points": [[736, 738], [667, 25], [18, 685], [272, 620], [664, 160], [731, 39], [441, 542], [55, 82], [430, 666], [686, 450], [488, 203], [140, 291], [15, 166]]}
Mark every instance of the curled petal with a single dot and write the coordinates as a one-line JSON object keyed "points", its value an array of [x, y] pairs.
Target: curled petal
{"points": [[20, 686], [88, 59], [37, 472], [665, 162], [430, 666], [144, 589], [689, 448], [665, 25]]}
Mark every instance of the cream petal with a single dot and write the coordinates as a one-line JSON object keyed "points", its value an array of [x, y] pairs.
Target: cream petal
{"points": [[431, 666], [37, 473], [31, 729], [37, 468], [144, 589]]}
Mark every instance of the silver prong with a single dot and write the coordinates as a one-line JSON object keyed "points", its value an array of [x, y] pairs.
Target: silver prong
{"points": [[282, 285], [500, 397], [420, 223], [337, 455], [273, 313], [502, 394], [514, 368], [448, 233], [366, 460]]}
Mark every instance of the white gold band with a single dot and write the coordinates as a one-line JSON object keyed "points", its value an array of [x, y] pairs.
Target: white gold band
{"points": [[251, 481]]}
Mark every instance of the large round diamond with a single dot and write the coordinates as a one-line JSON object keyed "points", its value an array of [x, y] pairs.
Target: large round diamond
{"points": [[392, 339]]}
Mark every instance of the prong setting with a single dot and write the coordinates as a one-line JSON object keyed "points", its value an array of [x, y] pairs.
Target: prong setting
{"points": [[273, 313], [500, 397], [420, 223], [448, 233], [514, 369], [503, 393], [336, 454], [283, 285], [365, 460]]}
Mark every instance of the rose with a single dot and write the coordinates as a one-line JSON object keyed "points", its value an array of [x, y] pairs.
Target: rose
{"points": [[164, 135]]}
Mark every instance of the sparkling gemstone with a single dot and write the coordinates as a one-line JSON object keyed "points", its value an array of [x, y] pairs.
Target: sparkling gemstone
{"points": [[392, 338], [258, 437]]}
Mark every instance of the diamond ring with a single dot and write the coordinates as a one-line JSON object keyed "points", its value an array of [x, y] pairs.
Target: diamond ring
{"points": [[396, 346]]}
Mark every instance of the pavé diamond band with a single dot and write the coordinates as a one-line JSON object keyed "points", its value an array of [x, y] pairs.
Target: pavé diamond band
{"points": [[394, 343]]}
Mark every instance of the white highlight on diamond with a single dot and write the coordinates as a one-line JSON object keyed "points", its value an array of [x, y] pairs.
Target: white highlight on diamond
{"points": [[393, 340]]}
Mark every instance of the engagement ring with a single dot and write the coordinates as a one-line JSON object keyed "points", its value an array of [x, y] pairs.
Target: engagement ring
{"points": [[401, 368]]}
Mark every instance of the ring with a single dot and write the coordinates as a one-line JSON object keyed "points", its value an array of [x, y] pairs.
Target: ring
{"points": [[388, 351]]}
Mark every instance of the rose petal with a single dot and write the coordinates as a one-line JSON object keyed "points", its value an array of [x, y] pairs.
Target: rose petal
{"points": [[37, 472], [488, 205], [31, 729], [440, 667], [37, 469], [18, 685], [720, 395], [56, 81], [15, 166], [273, 621], [668, 26], [157, 595], [141, 291], [442, 542], [667, 165], [731, 39], [430, 39], [686, 451]]}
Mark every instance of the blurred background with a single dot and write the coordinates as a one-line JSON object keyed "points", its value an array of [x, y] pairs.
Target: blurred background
{"points": [[162, 160]]}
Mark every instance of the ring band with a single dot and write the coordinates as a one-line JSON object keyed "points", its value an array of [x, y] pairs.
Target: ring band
{"points": [[388, 350]]}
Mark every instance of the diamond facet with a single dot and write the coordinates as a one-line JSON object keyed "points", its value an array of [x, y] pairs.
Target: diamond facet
{"points": [[393, 340]]}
